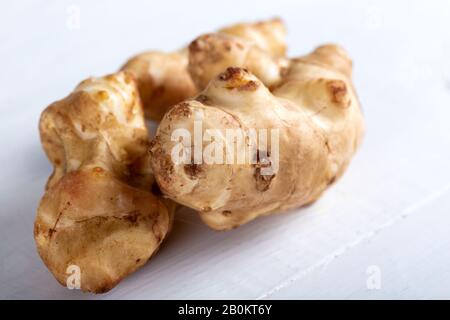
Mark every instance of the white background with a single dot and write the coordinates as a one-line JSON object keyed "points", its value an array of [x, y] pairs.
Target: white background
{"points": [[391, 210]]}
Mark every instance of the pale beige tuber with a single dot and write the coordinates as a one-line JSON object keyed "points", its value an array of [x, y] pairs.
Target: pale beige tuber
{"points": [[314, 108], [163, 78], [98, 215]]}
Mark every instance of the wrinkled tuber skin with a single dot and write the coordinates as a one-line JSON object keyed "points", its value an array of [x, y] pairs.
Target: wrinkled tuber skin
{"points": [[98, 212], [163, 78], [320, 125]]}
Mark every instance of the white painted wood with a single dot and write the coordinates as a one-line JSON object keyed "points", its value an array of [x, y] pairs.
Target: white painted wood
{"points": [[391, 209]]}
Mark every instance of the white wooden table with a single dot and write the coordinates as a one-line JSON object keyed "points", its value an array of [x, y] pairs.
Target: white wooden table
{"points": [[383, 231]]}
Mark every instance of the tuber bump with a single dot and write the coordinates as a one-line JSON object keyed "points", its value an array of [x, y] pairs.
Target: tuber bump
{"points": [[98, 213]]}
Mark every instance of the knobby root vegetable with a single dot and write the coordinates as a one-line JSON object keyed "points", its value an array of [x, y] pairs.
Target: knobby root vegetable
{"points": [[98, 214], [315, 112], [163, 78], [210, 54]]}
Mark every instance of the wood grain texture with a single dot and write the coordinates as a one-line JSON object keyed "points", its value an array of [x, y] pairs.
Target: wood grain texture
{"points": [[390, 210]]}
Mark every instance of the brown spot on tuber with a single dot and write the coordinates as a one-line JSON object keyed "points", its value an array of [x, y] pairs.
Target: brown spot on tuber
{"points": [[165, 164], [236, 79], [132, 216], [98, 170], [262, 181], [332, 180], [50, 232], [102, 95], [193, 170], [240, 45], [227, 45], [232, 73], [327, 145], [249, 86], [196, 45], [128, 77]]}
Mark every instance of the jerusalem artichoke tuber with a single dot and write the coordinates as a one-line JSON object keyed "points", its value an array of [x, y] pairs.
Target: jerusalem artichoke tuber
{"points": [[98, 213]]}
